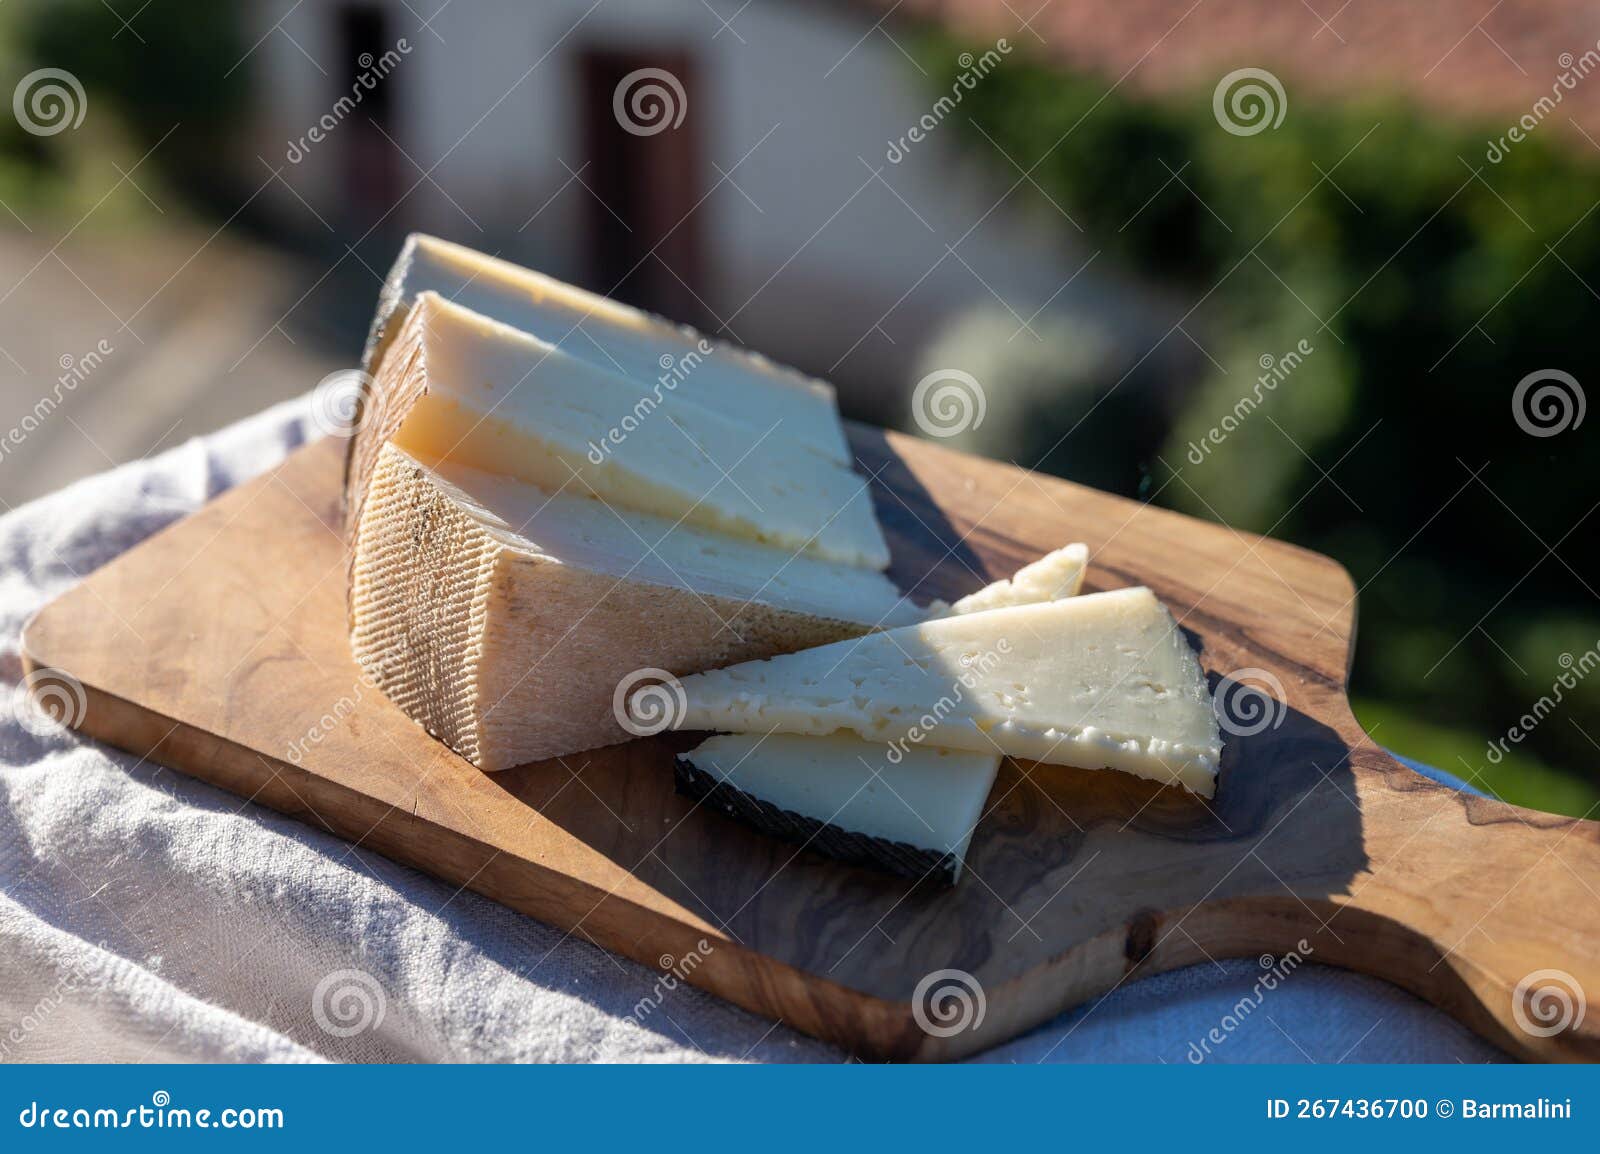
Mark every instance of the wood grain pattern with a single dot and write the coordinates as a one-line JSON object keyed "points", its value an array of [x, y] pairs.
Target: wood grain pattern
{"points": [[218, 648]]}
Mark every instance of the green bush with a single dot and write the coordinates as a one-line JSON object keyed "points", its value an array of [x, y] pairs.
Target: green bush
{"points": [[1428, 282], [170, 83]]}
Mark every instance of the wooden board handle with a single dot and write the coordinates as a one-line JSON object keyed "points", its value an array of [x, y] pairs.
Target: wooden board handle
{"points": [[1490, 911]]}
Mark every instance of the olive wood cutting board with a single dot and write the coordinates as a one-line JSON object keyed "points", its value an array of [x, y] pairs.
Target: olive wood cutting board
{"points": [[218, 648]]}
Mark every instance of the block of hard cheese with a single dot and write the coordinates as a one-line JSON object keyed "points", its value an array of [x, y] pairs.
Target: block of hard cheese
{"points": [[1102, 681], [480, 393], [503, 617], [741, 385]]}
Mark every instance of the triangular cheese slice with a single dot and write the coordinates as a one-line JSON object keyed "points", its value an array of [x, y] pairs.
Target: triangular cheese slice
{"points": [[1103, 681], [1056, 575], [911, 811], [469, 389], [743, 386]]}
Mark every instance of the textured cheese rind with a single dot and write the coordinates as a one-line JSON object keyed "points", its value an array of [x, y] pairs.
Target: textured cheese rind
{"points": [[742, 385], [1056, 575], [927, 797], [1103, 681], [502, 622], [503, 401]]}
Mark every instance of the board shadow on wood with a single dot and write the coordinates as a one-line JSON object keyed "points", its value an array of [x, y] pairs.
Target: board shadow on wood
{"points": [[218, 648]]}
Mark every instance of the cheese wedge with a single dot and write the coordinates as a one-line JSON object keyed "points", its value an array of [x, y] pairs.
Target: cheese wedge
{"points": [[743, 386], [502, 617], [832, 794], [480, 393], [1055, 575], [1103, 681], [909, 813]]}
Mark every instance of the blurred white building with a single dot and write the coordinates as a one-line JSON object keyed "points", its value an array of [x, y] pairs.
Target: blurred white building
{"points": [[768, 209]]}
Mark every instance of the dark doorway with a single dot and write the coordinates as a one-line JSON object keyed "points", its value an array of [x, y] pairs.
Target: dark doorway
{"points": [[641, 115], [371, 163]]}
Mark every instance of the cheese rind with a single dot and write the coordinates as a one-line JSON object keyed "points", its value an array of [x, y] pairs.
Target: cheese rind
{"points": [[912, 811], [742, 385], [497, 399], [1102, 681], [502, 617]]}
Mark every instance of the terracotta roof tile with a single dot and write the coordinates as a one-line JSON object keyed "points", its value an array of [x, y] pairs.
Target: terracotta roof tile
{"points": [[1473, 58]]}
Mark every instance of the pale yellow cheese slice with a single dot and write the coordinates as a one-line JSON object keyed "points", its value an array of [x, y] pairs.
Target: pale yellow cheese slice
{"points": [[1101, 681], [490, 397], [1056, 575], [743, 386], [919, 796], [927, 798]]}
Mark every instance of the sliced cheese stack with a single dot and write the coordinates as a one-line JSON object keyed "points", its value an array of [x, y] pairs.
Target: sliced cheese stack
{"points": [[910, 811], [743, 386], [529, 524], [502, 616], [910, 814], [471, 390], [1103, 681]]}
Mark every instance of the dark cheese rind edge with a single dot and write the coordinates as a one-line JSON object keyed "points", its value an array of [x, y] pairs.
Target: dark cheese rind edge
{"points": [[857, 849]]}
